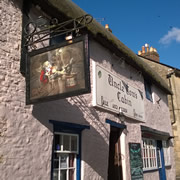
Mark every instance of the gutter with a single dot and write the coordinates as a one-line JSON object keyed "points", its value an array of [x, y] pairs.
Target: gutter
{"points": [[172, 101]]}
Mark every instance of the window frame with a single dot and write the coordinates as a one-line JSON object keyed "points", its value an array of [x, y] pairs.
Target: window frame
{"points": [[148, 90], [68, 128], [167, 152], [69, 134], [61, 152], [149, 149]]}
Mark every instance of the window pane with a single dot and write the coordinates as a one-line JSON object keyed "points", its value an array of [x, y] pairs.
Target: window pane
{"points": [[73, 143], [66, 143], [71, 174], [63, 162], [63, 174], [148, 90], [57, 142], [55, 175], [71, 160], [149, 154], [56, 164], [56, 156]]}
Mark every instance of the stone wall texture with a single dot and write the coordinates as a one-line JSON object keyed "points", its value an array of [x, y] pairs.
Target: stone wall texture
{"points": [[26, 135]]}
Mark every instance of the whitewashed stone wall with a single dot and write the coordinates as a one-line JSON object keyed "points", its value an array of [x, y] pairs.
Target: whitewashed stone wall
{"points": [[25, 144]]}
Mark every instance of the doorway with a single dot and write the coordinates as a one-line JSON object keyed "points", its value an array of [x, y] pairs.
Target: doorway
{"points": [[115, 163]]}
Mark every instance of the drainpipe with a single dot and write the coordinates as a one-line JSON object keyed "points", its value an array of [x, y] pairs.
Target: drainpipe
{"points": [[172, 102]]}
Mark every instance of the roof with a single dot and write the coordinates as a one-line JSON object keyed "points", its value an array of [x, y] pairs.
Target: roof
{"points": [[70, 10], [174, 68]]}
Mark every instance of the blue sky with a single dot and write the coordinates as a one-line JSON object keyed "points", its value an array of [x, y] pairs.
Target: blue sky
{"points": [[136, 22]]}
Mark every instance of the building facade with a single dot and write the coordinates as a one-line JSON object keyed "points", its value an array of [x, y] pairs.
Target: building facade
{"points": [[172, 76], [115, 126]]}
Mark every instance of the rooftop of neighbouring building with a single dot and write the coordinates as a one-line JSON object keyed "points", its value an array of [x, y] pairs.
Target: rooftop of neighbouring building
{"points": [[149, 53]]}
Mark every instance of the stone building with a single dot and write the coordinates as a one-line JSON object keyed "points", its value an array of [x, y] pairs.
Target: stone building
{"points": [[82, 108], [172, 77]]}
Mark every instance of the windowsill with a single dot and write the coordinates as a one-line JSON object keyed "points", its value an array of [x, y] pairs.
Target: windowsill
{"points": [[57, 151], [150, 170], [168, 166]]}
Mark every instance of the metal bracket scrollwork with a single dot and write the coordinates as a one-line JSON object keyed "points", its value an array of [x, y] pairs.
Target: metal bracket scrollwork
{"points": [[42, 30]]}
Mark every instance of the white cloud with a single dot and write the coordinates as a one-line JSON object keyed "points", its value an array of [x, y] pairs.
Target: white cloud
{"points": [[173, 34]]}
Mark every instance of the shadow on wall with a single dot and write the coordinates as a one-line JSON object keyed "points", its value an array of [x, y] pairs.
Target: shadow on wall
{"points": [[118, 64], [76, 110]]}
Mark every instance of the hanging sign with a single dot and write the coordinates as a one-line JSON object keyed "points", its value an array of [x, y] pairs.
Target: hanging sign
{"points": [[116, 95], [58, 71]]}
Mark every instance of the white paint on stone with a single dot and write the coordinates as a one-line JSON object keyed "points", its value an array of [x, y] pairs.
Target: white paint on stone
{"points": [[26, 137]]}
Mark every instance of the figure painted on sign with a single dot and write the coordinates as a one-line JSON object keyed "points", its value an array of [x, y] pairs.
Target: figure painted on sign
{"points": [[67, 67], [46, 72], [57, 71], [65, 59], [49, 74]]}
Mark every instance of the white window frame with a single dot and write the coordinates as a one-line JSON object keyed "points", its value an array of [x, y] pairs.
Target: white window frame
{"points": [[159, 156], [167, 155], [149, 154], [61, 152], [61, 147]]}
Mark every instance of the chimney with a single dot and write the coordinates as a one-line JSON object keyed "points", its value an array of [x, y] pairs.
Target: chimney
{"points": [[107, 27], [149, 53]]}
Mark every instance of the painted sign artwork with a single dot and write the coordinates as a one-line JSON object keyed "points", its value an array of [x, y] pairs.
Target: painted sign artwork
{"points": [[136, 163], [58, 71]]}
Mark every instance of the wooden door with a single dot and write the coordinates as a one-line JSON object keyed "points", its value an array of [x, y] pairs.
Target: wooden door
{"points": [[115, 163]]}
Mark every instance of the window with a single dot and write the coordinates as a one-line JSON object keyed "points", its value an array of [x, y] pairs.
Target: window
{"points": [[148, 90], [149, 154], [166, 149], [65, 156], [66, 162]]}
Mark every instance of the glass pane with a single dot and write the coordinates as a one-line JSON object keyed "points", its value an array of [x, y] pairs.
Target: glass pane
{"points": [[66, 142], [71, 160], [71, 174], [73, 143], [55, 175], [63, 162], [56, 164], [56, 156], [63, 175], [57, 142]]}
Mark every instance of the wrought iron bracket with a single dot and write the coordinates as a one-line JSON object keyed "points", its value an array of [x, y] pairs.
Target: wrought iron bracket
{"points": [[36, 32]]}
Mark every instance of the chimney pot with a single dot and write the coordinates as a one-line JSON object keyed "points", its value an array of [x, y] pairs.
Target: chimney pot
{"points": [[143, 50], [139, 52], [150, 54], [107, 27], [151, 49]]}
